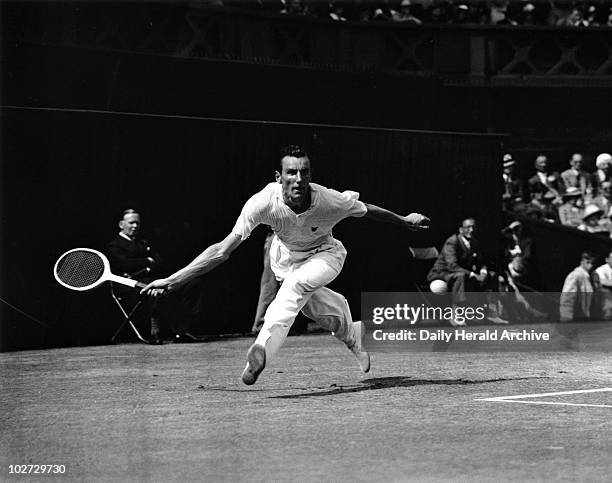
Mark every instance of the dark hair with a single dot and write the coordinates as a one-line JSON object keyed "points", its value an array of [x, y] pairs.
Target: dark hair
{"points": [[466, 218], [589, 256], [293, 150]]}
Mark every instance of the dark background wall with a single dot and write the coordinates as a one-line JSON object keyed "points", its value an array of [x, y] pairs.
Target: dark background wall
{"points": [[68, 174], [88, 131]]}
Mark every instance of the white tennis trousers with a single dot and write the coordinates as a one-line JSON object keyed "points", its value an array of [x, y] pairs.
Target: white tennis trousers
{"points": [[305, 276]]}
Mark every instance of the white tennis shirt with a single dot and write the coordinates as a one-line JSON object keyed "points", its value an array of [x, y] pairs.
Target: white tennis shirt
{"points": [[303, 232]]}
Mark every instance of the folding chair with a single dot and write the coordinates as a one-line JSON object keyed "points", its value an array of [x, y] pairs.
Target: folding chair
{"points": [[424, 258], [127, 316]]}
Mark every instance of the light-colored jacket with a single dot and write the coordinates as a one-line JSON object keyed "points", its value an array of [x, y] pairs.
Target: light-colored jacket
{"points": [[577, 295]]}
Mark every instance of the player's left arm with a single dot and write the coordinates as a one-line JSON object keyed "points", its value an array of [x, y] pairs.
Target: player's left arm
{"points": [[413, 221]]}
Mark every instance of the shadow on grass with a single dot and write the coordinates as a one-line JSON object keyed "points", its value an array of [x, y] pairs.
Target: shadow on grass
{"points": [[397, 381]]}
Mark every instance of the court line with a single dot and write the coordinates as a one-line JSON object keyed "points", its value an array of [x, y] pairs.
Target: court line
{"points": [[550, 403], [520, 398]]}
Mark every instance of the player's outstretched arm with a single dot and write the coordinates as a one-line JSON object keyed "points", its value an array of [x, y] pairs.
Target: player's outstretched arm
{"points": [[413, 221], [213, 256]]}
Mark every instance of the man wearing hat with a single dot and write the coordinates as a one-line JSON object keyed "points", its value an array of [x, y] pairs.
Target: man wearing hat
{"points": [[513, 187], [571, 211]]}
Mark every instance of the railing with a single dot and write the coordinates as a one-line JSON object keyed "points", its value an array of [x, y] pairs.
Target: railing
{"points": [[464, 54]]}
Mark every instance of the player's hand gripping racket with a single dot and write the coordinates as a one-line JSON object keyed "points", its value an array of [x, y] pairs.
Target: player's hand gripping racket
{"points": [[83, 269]]}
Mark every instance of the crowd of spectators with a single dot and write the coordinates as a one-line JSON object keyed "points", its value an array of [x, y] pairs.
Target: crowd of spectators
{"points": [[575, 197], [563, 13]]}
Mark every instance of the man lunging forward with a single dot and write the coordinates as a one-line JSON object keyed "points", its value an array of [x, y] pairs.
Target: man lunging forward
{"points": [[304, 255]]}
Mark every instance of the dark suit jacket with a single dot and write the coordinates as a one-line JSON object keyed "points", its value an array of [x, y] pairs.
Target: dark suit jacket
{"points": [[129, 258], [534, 184], [455, 256]]}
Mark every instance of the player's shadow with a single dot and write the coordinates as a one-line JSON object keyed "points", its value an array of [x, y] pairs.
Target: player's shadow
{"points": [[396, 381]]}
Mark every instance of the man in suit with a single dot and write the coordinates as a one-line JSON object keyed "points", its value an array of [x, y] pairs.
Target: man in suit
{"points": [[513, 186], [132, 257], [576, 177], [461, 265], [544, 181]]}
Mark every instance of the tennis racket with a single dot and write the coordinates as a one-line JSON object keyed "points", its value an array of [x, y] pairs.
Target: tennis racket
{"points": [[83, 269]]}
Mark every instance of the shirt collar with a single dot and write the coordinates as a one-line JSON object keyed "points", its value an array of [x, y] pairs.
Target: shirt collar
{"points": [[125, 236]]}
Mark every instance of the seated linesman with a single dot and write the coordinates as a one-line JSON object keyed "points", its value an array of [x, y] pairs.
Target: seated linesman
{"points": [[460, 269], [132, 257]]}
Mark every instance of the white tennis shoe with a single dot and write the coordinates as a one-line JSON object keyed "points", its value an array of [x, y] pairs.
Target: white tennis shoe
{"points": [[256, 362], [363, 357]]}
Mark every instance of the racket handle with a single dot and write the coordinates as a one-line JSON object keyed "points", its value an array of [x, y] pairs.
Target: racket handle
{"points": [[140, 285]]}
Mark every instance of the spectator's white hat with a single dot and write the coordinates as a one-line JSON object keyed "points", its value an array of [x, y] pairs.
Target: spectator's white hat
{"points": [[508, 161], [572, 191], [603, 159], [591, 210], [405, 3], [528, 7], [463, 6]]}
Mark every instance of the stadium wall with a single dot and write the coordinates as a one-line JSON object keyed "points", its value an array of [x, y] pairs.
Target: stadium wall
{"points": [[87, 133]]}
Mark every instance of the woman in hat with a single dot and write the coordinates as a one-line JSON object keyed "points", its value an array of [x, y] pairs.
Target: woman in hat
{"points": [[591, 220], [571, 211]]}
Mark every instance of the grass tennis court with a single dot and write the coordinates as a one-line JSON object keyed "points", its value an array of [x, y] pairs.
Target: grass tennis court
{"points": [[179, 412]]}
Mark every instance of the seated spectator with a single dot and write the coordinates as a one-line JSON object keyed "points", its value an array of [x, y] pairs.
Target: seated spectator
{"points": [[513, 187], [571, 211], [295, 7], [336, 11], [604, 274], [603, 173], [438, 12], [576, 177], [515, 306], [591, 220], [578, 291], [528, 15], [576, 18], [545, 181], [498, 11], [461, 266], [516, 243], [405, 14], [132, 257], [542, 207], [604, 197]]}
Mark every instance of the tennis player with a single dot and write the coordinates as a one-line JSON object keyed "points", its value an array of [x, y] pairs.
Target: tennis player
{"points": [[304, 256]]}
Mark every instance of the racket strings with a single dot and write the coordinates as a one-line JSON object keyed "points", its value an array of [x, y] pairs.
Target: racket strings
{"points": [[80, 269]]}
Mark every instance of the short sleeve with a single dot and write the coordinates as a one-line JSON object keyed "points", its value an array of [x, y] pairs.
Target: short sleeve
{"points": [[250, 216], [352, 205]]}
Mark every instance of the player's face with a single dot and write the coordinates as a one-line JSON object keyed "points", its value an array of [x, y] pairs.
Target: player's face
{"points": [[587, 265], [130, 224], [295, 178]]}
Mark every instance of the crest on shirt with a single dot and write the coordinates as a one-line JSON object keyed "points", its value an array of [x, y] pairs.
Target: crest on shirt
{"points": [[314, 228]]}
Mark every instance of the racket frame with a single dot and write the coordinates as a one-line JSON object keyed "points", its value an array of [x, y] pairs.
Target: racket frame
{"points": [[107, 275]]}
